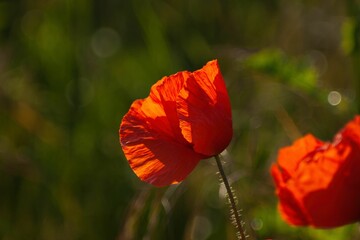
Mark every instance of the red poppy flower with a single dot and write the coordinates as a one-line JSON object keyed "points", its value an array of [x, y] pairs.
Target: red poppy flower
{"points": [[185, 118], [318, 183]]}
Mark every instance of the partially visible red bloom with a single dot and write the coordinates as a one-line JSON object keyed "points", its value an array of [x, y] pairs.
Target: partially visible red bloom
{"points": [[318, 183], [186, 118]]}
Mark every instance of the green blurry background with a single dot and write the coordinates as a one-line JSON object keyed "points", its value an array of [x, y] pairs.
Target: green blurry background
{"points": [[69, 71]]}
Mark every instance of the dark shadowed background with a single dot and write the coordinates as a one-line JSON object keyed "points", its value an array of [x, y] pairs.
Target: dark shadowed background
{"points": [[69, 71]]}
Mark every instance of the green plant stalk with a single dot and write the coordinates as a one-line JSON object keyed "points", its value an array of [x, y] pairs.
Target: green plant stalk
{"points": [[353, 9], [235, 212]]}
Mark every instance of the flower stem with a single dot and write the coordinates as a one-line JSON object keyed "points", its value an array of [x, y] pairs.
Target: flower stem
{"points": [[235, 212]]}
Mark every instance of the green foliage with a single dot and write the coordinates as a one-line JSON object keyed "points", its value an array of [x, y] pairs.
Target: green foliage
{"points": [[347, 38], [298, 74]]}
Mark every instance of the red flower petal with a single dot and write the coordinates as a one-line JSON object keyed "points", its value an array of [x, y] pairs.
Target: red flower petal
{"points": [[187, 117], [204, 111], [291, 210], [317, 183], [299, 151], [352, 130], [154, 155]]}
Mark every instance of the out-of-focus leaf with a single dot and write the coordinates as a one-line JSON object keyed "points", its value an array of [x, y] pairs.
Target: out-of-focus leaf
{"points": [[274, 63], [347, 36]]}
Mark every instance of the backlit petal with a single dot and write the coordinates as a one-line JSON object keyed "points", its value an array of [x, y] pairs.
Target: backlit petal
{"points": [[289, 207], [165, 93], [155, 157], [298, 151], [204, 111]]}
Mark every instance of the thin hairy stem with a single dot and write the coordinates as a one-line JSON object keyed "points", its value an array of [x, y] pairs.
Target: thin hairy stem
{"points": [[235, 212]]}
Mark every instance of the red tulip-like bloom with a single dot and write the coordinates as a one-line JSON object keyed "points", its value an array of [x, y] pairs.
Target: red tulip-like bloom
{"points": [[185, 118], [318, 183]]}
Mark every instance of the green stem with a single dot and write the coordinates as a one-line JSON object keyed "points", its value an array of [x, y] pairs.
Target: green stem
{"points": [[237, 223], [353, 8]]}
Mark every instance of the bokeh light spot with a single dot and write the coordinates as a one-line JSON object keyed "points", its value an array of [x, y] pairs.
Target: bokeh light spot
{"points": [[334, 98], [105, 42], [256, 224], [201, 228]]}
